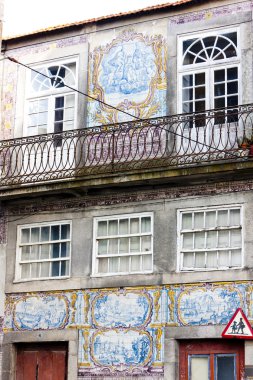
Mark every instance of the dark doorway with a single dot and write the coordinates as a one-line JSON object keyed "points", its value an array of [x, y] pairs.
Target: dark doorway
{"points": [[42, 361]]}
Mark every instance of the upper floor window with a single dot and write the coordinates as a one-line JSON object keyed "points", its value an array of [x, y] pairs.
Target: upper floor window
{"points": [[210, 238], [209, 66], [51, 104], [123, 244], [43, 251]]}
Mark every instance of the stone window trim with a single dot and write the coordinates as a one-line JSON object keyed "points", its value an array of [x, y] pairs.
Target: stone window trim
{"points": [[210, 238], [51, 107], [123, 244], [43, 251], [210, 63]]}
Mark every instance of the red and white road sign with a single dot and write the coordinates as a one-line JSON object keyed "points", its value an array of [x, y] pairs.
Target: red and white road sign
{"points": [[238, 327]]}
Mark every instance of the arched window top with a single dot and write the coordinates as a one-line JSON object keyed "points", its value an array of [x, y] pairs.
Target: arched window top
{"points": [[210, 49], [53, 77]]}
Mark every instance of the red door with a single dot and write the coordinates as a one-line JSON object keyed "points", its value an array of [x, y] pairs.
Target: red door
{"points": [[211, 359], [41, 362]]}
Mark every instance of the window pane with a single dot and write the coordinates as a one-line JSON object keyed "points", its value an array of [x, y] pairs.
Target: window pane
{"points": [[219, 103], [200, 106], [146, 243], [63, 249], [200, 92], [113, 227], [44, 269], [25, 253], [124, 264], [210, 219], [113, 264], [187, 94], [135, 263], [102, 247], [65, 231], [219, 76], [236, 240], [134, 244], [59, 103], [198, 220], [34, 252], [113, 246], [44, 251], [188, 260], [147, 262], [224, 259], [199, 368], [45, 233], [234, 217], [232, 101], [199, 79], [25, 271], [187, 221], [219, 89], [35, 235], [199, 240], [123, 245], [123, 226], [35, 270], [25, 235], [103, 265], [232, 73], [211, 260], [64, 268], [134, 226], [232, 88], [187, 107], [222, 218], [223, 239], [55, 233], [55, 250], [188, 241], [102, 228], [200, 260], [225, 367], [187, 80], [211, 239], [236, 258], [55, 268], [146, 224]]}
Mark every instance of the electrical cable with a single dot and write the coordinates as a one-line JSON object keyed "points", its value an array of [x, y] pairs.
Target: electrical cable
{"points": [[14, 60]]}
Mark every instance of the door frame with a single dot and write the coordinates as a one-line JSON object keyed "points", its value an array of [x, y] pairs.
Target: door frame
{"points": [[210, 346], [42, 347]]}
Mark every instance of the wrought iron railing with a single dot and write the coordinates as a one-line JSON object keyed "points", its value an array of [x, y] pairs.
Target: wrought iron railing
{"points": [[181, 140]]}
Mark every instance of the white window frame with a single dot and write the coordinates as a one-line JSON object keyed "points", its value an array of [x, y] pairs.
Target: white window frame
{"points": [[207, 68], [180, 212], [95, 260], [18, 277], [50, 94]]}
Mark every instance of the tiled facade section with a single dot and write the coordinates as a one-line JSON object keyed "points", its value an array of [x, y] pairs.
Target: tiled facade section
{"points": [[121, 331]]}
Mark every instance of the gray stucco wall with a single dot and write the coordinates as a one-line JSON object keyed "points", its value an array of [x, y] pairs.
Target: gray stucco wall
{"points": [[165, 243]]}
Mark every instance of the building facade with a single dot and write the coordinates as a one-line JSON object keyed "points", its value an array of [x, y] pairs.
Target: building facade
{"points": [[126, 192]]}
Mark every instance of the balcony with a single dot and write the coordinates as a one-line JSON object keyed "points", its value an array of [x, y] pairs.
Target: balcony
{"points": [[165, 143]]}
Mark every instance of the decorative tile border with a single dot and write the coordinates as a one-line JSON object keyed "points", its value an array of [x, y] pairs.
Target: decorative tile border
{"points": [[168, 193], [211, 13]]}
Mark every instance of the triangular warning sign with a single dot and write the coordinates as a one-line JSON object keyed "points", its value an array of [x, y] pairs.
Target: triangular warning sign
{"points": [[238, 327]]}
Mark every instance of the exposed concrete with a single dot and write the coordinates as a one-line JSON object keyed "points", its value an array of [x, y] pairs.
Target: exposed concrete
{"points": [[155, 176]]}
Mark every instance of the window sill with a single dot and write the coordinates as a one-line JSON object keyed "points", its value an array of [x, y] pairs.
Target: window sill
{"points": [[17, 281]]}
